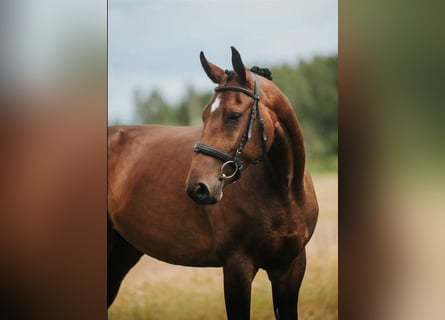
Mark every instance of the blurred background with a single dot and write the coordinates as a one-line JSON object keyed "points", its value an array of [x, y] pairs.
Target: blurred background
{"points": [[53, 111], [53, 120], [155, 77]]}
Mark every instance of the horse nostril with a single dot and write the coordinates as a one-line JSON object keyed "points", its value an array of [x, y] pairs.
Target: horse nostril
{"points": [[201, 192]]}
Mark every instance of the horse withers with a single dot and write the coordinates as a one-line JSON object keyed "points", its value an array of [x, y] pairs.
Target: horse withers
{"points": [[250, 136]]}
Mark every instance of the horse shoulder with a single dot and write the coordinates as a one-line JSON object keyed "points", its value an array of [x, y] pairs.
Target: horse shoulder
{"points": [[291, 226]]}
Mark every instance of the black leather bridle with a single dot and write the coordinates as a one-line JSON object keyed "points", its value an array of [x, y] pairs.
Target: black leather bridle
{"points": [[234, 162]]}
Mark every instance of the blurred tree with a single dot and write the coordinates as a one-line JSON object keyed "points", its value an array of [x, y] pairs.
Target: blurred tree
{"points": [[153, 109], [192, 104], [312, 89]]}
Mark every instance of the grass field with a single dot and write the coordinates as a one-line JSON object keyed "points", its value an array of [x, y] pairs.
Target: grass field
{"points": [[156, 290]]}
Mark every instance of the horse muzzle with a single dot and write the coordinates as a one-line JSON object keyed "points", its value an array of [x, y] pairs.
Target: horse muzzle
{"points": [[202, 194]]}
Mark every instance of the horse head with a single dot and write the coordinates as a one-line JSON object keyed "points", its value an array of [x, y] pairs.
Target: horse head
{"points": [[238, 130]]}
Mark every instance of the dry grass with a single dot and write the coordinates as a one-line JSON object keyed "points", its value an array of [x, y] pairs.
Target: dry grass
{"points": [[156, 290]]}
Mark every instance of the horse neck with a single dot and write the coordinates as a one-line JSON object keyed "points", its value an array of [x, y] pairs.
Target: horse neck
{"points": [[287, 153]]}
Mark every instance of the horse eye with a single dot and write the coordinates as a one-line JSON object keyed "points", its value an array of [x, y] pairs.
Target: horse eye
{"points": [[234, 116]]}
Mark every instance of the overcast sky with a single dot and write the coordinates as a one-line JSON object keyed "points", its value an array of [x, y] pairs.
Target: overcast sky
{"points": [[156, 43]]}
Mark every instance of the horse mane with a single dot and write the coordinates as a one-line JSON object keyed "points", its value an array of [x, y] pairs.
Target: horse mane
{"points": [[290, 134], [264, 72]]}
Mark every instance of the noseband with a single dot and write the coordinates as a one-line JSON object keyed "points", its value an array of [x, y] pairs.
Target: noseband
{"points": [[234, 161]]}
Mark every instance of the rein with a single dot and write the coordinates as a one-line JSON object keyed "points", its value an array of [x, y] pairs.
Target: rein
{"points": [[234, 161]]}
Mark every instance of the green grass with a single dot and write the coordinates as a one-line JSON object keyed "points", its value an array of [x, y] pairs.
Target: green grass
{"points": [[325, 165], [155, 290]]}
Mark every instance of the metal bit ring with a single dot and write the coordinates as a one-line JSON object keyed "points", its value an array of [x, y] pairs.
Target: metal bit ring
{"points": [[222, 175]]}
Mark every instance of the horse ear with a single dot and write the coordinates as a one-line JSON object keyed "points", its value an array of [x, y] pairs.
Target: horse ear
{"points": [[214, 72], [238, 65]]}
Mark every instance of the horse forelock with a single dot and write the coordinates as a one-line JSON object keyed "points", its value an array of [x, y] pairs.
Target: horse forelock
{"points": [[230, 74]]}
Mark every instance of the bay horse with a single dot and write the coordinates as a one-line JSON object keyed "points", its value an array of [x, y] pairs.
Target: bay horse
{"points": [[250, 136]]}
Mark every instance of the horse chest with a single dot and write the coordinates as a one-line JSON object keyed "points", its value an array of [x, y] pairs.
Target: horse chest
{"points": [[263, 239], [287, 238]]}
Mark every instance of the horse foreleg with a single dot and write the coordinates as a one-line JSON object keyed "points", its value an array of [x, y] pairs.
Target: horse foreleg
{"points": [[239, 272], [286, 284], [121, 257]]}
